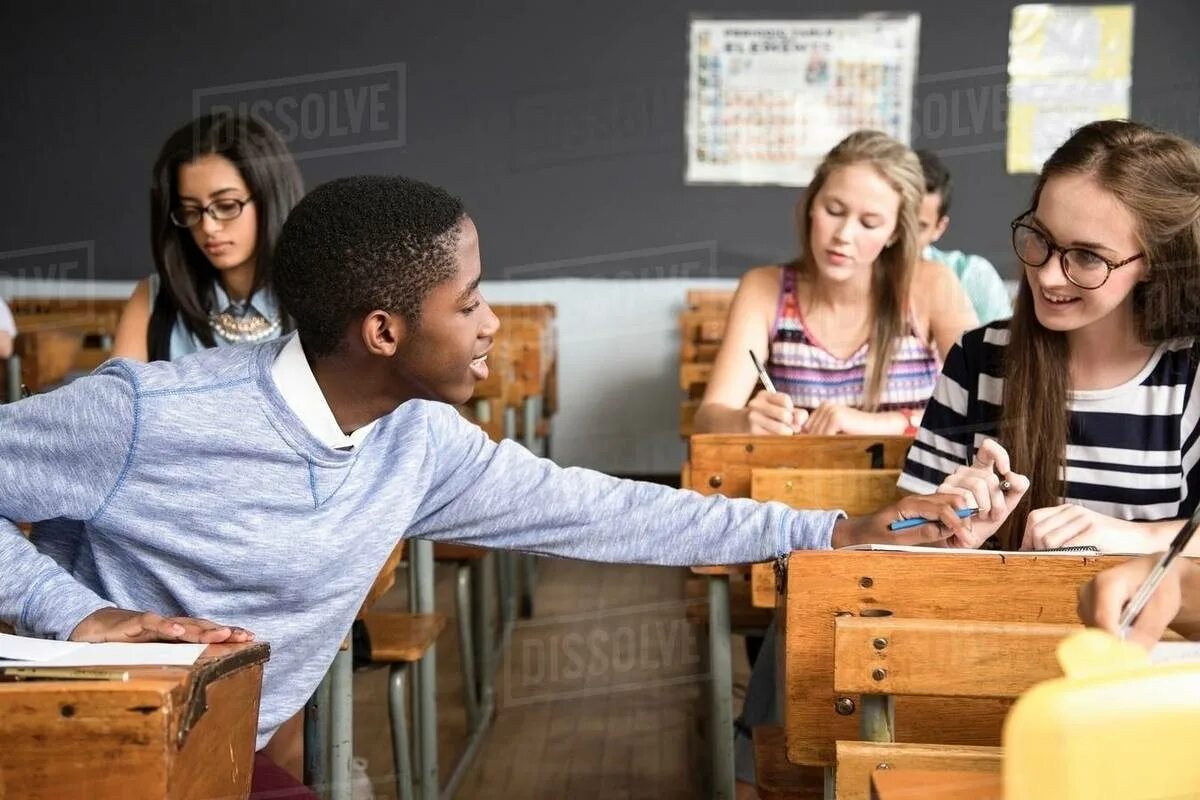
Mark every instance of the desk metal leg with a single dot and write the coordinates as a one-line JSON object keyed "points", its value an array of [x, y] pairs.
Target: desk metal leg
{"points": [[877, 720], [13, 373], [721, 699], [341, 721], [316, 738], [506, 568], [466, 644], [483, 594], [401, 754], [421, 586]]}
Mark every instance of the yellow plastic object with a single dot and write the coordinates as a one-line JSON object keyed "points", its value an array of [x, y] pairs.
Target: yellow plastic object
{"points": [[1115, 728]]}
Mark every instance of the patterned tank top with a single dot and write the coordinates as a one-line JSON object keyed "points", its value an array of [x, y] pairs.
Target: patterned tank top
{"points": [[801, 367]]}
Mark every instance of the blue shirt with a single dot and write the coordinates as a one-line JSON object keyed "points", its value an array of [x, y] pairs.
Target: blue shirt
{"points": [[203, 494], [979, 278], [184, 342]]}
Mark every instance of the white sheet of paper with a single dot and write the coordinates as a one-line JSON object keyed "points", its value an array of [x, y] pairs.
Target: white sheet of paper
{"points": [[26, 648], [21, 651], [1174, 652]]}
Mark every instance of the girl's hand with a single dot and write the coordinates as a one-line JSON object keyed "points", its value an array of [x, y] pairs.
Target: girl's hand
{"points": [[1070, 525], [979, 485], [828, 419], [1102, 601], [773, 413]]}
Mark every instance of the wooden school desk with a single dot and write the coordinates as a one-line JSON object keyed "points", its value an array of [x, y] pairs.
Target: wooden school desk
{"points": [[166, 732], [725, 464], [901, 784], [45, 350]]}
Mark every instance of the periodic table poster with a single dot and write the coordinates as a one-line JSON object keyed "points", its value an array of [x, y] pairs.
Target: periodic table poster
{"points": [[767, 99]]}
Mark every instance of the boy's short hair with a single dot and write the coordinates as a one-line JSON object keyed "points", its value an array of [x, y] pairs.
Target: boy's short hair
{"points": [[358, 244], [937, 179]]}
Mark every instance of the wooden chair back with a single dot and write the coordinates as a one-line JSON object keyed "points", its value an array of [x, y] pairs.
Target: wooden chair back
{"points": [[722, 463], [836, 600]]}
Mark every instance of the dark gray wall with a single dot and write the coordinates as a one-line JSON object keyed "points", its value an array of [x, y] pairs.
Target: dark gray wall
{"points": [[559, 123]]}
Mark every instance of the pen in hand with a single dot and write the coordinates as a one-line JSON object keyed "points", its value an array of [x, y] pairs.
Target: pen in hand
{"points": [[762, 374], [914, 522], [1146, 590]]}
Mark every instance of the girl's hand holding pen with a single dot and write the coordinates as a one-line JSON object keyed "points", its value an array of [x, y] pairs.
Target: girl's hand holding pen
{"points": [[773, 413], [989, 485]]}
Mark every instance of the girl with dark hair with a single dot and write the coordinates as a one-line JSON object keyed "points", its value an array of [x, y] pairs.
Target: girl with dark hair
{"points": [[222, 186], [1090, 392]]}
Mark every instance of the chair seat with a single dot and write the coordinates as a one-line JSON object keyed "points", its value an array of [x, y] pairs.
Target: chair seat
{"points": [[449, 551], [776, 777], [399, 637]]}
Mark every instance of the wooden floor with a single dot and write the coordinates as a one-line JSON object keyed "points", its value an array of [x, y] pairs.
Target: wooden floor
{"points": [[601, 695]]}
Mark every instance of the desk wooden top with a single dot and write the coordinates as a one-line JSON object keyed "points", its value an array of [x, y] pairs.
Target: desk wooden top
{"points": [[901, 784], [175, 683], [170, 732], [54, 321]]}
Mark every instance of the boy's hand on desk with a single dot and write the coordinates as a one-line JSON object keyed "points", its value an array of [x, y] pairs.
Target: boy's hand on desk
{"points": [[979, 486], [874, 529], [120, 625]]}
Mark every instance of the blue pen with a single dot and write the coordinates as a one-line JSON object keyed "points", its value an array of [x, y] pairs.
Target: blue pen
{"points": [[905, 524]]}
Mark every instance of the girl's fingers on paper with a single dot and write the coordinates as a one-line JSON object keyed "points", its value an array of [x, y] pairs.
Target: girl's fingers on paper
{"points": [[1056, 528], [799, 418], [1040, 522], [762, 424]]}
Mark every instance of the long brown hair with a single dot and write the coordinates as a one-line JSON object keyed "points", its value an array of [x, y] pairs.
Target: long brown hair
{"points": [[893, 270], [1157, 177]]}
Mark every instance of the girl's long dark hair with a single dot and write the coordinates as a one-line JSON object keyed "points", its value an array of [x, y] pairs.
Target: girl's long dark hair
{"points": [[186, 276]]}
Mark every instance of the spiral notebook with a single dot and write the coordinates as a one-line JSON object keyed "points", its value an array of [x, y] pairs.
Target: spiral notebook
{"points": [[1085, 550]]}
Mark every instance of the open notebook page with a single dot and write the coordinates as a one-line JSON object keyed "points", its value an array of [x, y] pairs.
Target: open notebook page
{"points": [[907, 548], [24, 651]]}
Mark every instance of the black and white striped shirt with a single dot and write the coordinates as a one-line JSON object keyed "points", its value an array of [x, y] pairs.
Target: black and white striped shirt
{"points": [[1131, 450]]}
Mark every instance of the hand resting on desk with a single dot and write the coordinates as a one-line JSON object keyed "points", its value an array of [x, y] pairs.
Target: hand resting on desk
{"points": [[120, 625]]}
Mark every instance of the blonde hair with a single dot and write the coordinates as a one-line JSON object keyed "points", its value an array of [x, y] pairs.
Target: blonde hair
{"points": [[1156, 176], [893, 270]]}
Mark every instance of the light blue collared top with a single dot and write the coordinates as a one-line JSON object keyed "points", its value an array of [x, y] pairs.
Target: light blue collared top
{"points": [[183, 341]]}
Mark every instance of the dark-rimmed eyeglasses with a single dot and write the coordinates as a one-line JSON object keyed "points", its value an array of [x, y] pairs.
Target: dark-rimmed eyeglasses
{"points": [[1085, 268], [222, 210]]}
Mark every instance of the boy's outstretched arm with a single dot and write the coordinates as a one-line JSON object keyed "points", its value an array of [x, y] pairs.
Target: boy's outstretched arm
{"points": [[501, 496]]}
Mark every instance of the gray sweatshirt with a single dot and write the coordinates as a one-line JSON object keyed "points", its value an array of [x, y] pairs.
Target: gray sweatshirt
{"points": [[198, 492]]}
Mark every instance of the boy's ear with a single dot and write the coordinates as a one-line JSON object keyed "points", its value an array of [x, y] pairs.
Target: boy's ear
{"points": [[942, 224], [383, 333]]}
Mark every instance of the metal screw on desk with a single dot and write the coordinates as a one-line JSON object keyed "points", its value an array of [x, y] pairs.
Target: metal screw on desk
{"points": [[715, 481], [880, 643], [844, 706], [879, 673]]}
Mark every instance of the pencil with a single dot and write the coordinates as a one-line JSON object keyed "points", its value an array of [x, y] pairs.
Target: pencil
{"points": [[762, 374]]}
